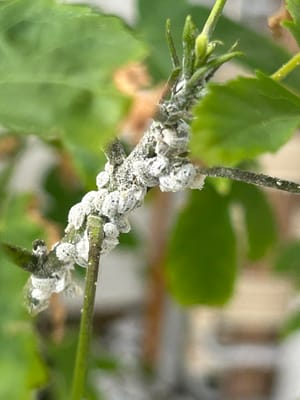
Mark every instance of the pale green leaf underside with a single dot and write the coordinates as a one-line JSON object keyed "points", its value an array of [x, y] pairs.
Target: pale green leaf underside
{"points": [[242, 119], [54, 57]]}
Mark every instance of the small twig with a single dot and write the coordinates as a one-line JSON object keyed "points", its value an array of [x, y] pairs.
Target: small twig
{"points": [[95, 235], [251, 177], [287, 68], [213, 18]]}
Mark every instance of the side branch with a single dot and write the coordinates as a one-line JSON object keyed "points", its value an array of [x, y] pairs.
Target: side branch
{"points": [[250, 177]]}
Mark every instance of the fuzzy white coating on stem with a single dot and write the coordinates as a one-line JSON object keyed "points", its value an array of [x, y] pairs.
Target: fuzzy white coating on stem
{"points": [[159, 159]]}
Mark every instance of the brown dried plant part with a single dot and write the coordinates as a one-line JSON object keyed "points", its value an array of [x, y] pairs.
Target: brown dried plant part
{"points": [[134, 80], [67, 171], [9, 145], [279, 32]]}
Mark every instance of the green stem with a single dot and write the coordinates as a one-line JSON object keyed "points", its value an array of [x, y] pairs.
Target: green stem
{"points": [[287, 68], [80, 371], [212, 20]]}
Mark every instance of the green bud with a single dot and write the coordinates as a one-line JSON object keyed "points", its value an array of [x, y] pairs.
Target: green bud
{"points": [[201, 45]]}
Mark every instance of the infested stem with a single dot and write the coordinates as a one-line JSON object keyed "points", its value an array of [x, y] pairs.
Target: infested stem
{"points": [[95, 235], [237, 174]]}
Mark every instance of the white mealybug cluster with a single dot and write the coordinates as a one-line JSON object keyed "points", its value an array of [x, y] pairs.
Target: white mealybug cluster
{"points": [[162, 162]]}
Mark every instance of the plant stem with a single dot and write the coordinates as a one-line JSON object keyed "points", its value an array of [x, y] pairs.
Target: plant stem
{"points": [[251, 177], [95, 236], [212, 20], [287, 68]]}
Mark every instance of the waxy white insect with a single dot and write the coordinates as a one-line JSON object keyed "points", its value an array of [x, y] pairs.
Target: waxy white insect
{"points": [[82, 250], [65, 252], [127, 201], [108, 245], [102, 179], [110, 230], [110, 204], [99, 198], [77, 215], [123, 224], [158, 166]]}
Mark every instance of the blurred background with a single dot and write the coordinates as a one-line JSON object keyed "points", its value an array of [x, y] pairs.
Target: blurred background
{"points": [[146, 345]]}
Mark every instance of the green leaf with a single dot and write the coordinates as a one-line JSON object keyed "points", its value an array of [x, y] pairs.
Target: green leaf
{"points": [[201, 261], [259, 51], [259, 218], [288, 261], [56, 65], [20, 360], [290, 325], [293, 7], [20, 256], [242, 119]]}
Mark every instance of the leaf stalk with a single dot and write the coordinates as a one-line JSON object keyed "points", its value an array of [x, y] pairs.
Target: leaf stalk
{"points": [[287, 68]]}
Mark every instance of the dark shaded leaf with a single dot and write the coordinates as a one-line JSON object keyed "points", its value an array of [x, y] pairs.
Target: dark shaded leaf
{"points": [[201, 261], [259, 218], [20, 256], [288, 261]]}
